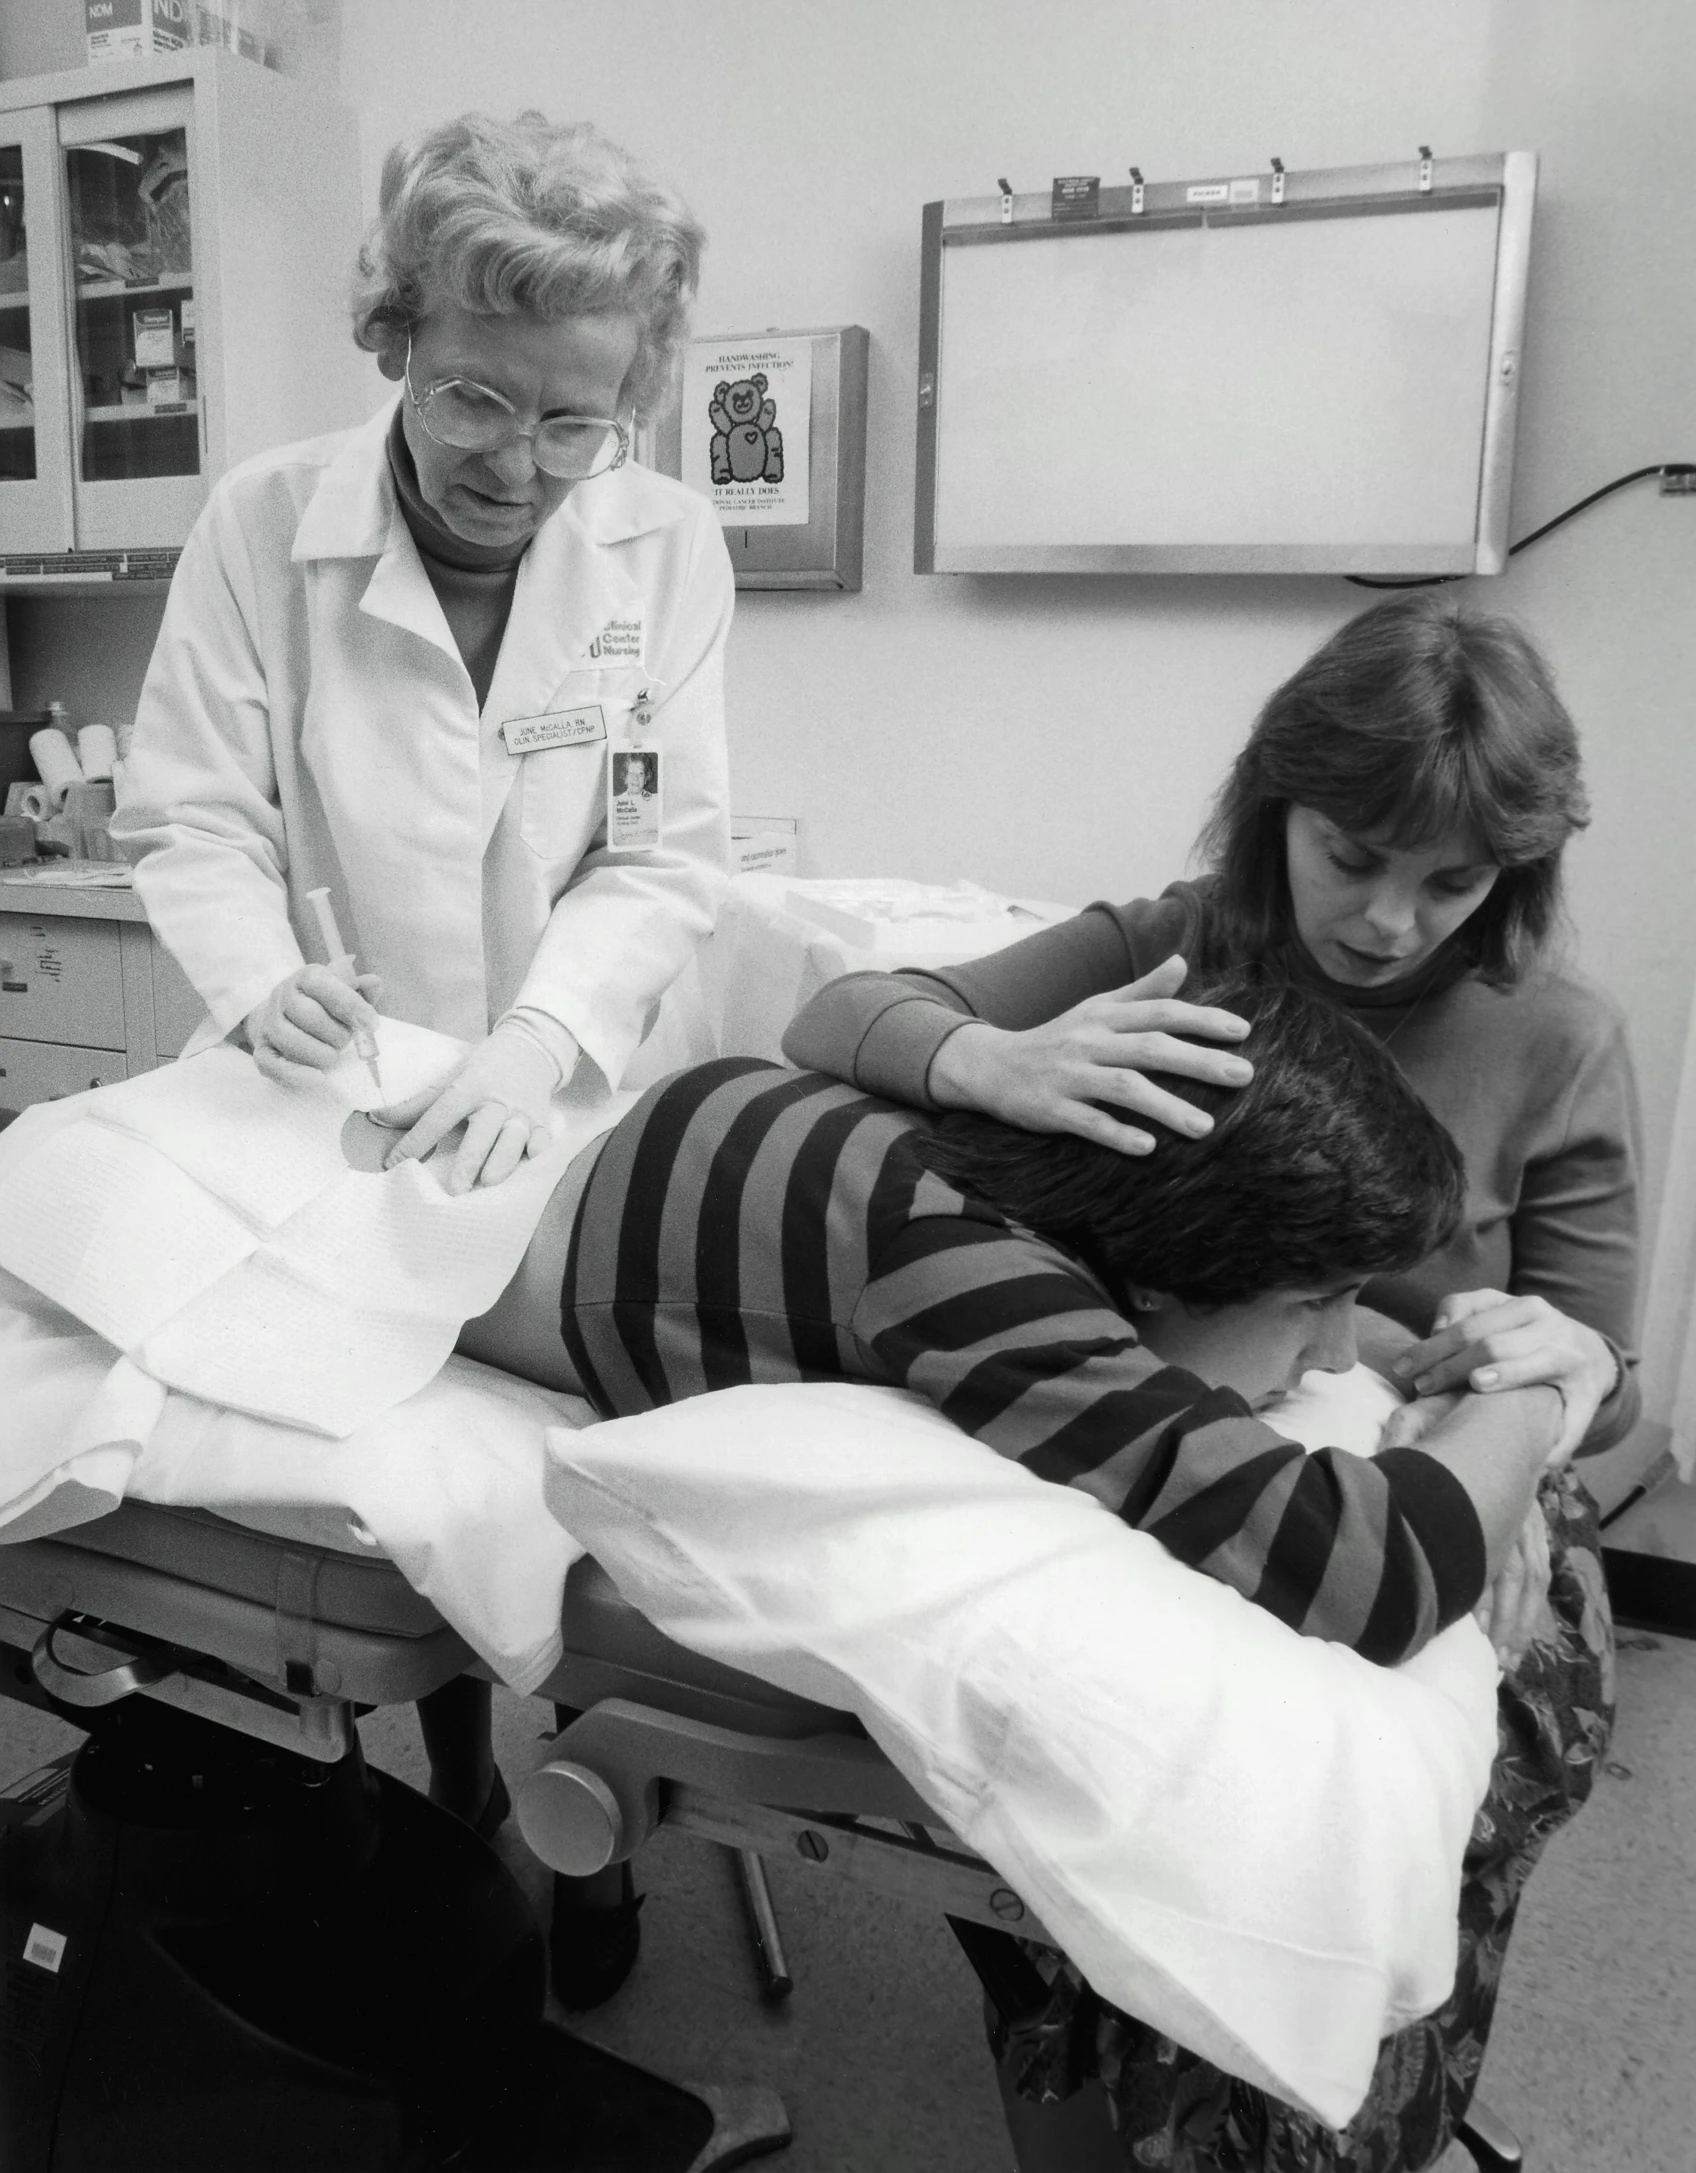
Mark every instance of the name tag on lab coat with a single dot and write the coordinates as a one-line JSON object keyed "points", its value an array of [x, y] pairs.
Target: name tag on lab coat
{"points": [[555, 728]]}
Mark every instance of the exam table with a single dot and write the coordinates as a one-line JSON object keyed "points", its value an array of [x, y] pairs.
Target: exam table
{"points": [[223, 1930], [221, 1927]]}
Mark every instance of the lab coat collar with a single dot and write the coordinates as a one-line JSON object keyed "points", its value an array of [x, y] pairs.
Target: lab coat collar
{"points": [[352, 511], [569, 586]]}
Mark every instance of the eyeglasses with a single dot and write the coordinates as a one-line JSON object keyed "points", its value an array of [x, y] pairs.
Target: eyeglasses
{"points": [[473, 418]]}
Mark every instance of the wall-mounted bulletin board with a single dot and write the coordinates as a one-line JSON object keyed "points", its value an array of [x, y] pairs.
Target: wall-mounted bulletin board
{"points": [[1286, 372]]}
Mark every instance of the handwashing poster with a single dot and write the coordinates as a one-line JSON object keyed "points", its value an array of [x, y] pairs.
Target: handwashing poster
{"points": [[747, 405]]}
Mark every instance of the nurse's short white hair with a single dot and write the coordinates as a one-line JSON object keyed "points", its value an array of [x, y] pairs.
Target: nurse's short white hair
{"points": [[504, 217]]}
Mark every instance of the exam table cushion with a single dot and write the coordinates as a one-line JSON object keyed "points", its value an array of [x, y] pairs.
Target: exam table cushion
{"points": [[251, 1598]]}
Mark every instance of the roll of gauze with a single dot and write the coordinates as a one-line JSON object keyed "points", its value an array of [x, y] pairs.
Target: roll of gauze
{"points": [[56, 762], [97, 750]]}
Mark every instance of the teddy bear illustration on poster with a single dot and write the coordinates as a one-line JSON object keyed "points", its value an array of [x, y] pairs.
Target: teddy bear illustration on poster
{"points": [[747, 445]]}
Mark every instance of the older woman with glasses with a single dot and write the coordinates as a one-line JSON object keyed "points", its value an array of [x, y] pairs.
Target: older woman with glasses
{"points": [[400, 664], [397, 664]]}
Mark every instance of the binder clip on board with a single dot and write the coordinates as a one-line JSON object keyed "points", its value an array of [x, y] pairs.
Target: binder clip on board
{"points": [[771, 428]]}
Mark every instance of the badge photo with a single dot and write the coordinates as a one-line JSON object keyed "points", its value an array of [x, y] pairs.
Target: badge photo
{"points": [[634, 799]]}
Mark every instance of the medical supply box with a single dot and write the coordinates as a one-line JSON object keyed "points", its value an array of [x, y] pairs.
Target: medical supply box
{"points": [[135, 29]]}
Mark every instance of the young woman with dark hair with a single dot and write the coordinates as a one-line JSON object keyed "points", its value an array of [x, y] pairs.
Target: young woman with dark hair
{"points": [[1390, 838]]}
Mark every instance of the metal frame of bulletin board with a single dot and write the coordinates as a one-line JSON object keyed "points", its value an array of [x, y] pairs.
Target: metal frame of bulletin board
{"points": [[986, 503]]}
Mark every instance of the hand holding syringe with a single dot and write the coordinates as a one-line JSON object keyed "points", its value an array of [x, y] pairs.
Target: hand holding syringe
{"points": [[310, 1016], [341, 965]]}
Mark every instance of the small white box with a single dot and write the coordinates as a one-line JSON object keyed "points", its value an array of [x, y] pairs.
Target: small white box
{"points": [[765, 844]]}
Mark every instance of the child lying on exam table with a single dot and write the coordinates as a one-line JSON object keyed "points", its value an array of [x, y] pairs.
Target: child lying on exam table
{"points": [[819, 1237], [214, 1309], [1116, 1324]]}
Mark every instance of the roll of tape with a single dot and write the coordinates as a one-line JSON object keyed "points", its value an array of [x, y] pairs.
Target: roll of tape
{"points": [[97, 750], [35, 801], [56, 762]]}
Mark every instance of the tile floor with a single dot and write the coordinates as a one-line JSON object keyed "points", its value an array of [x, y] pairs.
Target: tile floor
{"points": [[879, 2052]]}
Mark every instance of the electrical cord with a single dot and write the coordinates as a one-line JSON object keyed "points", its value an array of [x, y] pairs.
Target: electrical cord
{"points": [[1438, 580]]}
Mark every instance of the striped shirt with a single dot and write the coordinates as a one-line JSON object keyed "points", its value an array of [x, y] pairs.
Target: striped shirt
{"points": [[746, 1223]]}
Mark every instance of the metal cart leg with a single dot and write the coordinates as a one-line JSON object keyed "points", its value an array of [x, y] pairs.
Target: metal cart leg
{"points": [[776, 1983]]}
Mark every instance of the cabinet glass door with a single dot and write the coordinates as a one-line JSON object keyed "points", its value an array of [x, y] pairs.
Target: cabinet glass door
{"points": [[35, 498], [17, 371], [129, 189], [132, 260]]}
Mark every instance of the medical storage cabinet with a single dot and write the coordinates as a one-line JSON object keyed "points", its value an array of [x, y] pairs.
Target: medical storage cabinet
{"points": [[88, 993], [176, 237]]}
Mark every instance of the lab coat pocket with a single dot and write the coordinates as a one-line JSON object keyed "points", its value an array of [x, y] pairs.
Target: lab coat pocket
{"points": [[562, 795]]}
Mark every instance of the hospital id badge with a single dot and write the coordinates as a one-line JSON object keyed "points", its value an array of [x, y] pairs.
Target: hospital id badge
{"points": [[555, 728], [635, 795]]}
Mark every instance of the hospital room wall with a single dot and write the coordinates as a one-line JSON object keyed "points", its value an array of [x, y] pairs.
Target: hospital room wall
{"points": [[1062, 736]]}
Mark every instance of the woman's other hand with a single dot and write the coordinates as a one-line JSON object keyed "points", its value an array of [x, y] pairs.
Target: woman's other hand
{"points": [[1051, 1078], [1515, 1607], [502, 1094], [1487, 1341], [308, 1020]]}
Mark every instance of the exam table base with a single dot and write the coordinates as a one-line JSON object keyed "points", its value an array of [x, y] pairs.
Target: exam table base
{"points": [[243, 1957]]}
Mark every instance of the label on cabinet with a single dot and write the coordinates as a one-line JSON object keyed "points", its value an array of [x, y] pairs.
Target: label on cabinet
{"points": [[61, 980]]}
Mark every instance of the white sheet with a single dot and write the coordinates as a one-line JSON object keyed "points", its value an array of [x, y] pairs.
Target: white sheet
{"points": [[448, 1483], [1250, 1838], [206, 1222]]}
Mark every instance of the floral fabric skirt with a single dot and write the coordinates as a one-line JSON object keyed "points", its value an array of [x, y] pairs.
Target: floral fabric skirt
{"points": [[1176, 2112]]}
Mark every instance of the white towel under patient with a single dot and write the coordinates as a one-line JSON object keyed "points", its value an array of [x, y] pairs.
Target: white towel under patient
{"points": [[207, 1306], [447, 1484], [207, 1222]]}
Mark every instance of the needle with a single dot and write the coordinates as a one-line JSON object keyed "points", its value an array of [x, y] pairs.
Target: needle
{"points": [[341, 965]]}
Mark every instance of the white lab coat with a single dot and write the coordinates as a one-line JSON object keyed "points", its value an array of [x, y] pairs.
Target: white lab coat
{"points": [[307, 720]]}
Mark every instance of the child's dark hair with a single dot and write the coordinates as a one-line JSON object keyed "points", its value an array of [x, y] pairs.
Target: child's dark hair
{"points": [[1327, 1164]]}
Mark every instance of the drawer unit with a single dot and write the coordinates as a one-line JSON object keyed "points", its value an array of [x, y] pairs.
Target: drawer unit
{"points": [[61, 980], [42, 1071], [90, 983]]}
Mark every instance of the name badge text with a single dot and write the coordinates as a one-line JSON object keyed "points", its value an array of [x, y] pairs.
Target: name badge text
{"points": [[555, 728]]}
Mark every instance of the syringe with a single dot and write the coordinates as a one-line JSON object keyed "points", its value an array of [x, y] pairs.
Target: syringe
{"points": [[341, 965]]}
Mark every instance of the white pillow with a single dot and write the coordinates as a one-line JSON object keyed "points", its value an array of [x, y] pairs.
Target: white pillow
{"points": [[1248, 1838]]}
